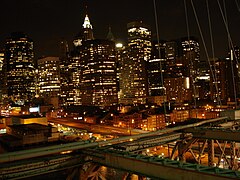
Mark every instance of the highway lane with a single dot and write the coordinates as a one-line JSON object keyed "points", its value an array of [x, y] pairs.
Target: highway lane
{"points": [[94, 128]]}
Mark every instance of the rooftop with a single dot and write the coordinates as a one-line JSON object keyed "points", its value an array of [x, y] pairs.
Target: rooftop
{"points": [[30, 127]]}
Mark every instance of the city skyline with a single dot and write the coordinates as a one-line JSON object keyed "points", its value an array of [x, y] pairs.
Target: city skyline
{"points": [[46, 22]]}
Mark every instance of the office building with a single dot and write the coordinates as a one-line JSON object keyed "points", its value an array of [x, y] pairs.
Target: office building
{"points": [[2, 76], [98, 80], [181, 69], [233, 59], [123, 69], [1, 60], [135, 64], [203, 81], [66, 98], [20, 68], [49, 80], [156, 69], [191, 56], [225, 85], [178, 89], [72, 93]]}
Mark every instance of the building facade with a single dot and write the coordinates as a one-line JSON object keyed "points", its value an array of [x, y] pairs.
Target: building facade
{"points": [[66, 88], [181, 69], [156, 69], [72, 71], [20, 70], [85, 34], [49, 80], [98, 81], [2, 76], [135, 64], [178, 89], [224, 80]]}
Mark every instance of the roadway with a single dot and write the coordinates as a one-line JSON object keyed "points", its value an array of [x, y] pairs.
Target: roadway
{"points": [[94, 128]]}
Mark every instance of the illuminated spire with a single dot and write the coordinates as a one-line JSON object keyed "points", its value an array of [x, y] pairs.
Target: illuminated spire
{"points": [[87, 24]]}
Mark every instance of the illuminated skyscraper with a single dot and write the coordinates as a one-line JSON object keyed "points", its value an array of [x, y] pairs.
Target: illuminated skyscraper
{"points": [[1, 60], [75, 70], [174, 59], [49, 79], [135, 87], [75, 66], [86, 33], [233, 78], [172, 52], [191, 56], [190, 62], [87, 29], [178, 89], [2, 76], [66, 97], [156, 64], [98, 80], [224, 86], [122, 72], [181, 69], [20, 68]]}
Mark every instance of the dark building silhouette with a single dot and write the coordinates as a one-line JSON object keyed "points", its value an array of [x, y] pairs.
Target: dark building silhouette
{"points": [[225, 79]]}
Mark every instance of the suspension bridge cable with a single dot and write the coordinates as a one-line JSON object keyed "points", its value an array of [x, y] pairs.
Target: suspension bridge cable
{"points": [[231, 47], [210, 30], [186, 16], [227, 29], [205, 49], [232, 51], [159, 55], [212, 43], [191, 61], [238, 6]]}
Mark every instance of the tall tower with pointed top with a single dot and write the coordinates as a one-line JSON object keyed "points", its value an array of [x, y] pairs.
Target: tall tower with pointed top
{"points": [[110, 36], [85, 34], [87, 29]]}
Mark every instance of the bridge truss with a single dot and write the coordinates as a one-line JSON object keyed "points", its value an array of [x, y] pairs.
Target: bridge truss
{"points": [[126, 154]]}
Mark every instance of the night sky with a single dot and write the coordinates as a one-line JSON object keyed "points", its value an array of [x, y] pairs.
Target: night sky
{"points": [[48, 21]]}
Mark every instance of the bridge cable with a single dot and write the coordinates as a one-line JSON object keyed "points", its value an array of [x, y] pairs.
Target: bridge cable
{"points": [[232, 51], [159, 54], [231, 47], [210, 31], [191, 60], [238, 6], [227, 29], [212, 46], [205, 49]]}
